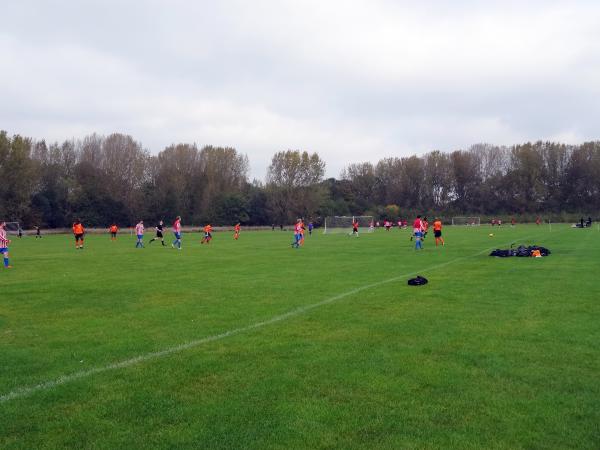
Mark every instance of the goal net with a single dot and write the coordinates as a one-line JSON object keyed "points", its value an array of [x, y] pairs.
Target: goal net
{"points": [[468, 221], [343, 224], [12, 228]]}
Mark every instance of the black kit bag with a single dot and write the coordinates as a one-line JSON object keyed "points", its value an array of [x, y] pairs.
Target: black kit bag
{"points": [[417, 281]]}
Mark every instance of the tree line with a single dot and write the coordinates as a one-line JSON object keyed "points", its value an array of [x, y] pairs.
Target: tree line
{"points": [[106, 179]]}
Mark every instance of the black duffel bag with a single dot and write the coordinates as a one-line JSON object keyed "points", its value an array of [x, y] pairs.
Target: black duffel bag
{"points": [[417, 281]]}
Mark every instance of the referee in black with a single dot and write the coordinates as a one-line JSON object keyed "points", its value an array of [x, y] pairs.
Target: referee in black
{"points": [[159, 233]]}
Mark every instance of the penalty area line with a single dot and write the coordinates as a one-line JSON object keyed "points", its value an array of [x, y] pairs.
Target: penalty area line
{"points": [[64, 379]]}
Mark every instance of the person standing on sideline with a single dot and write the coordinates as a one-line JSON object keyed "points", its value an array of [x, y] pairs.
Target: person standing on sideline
{"points": [[177, 233], [139, 232], [418, 233], [78, 232], [159, 233], [4, 241], [437, 231]]}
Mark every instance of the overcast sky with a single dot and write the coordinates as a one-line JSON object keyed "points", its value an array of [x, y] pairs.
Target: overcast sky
{"points": [[352, 80]]}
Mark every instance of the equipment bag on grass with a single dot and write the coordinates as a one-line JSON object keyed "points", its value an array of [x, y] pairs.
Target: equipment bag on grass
{"points": [[417, 281]]}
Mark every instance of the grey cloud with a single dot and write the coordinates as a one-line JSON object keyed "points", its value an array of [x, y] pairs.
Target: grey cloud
{"points": [[352, 80]]}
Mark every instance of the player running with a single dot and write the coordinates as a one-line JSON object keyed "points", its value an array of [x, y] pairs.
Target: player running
{"points": [[297, 233], [4, 241], [236, 231], [113, 229], [159, 233], [437, 231], [177, 233], [207, 234], [78, 232], [139, 232], [310, 228]]}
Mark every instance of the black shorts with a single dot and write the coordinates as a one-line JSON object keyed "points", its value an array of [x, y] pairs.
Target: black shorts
{"points": [[437, 233], [159, 234], [79, 237], [113, 233], [355, 230]]}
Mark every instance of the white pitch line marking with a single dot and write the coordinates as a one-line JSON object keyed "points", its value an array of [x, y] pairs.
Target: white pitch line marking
{"points": [[64, 379]]}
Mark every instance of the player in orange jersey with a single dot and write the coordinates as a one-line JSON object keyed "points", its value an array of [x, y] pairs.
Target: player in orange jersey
{"points": [[236, 231], [302, 230], [437, 232], [207, 234], [113, 229], [78, 232]]}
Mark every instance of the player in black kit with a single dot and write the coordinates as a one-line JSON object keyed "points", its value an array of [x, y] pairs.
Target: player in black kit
{"points": [[159, 233]]}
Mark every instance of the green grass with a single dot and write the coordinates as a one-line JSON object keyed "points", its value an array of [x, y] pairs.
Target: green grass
{"points": [[492, 353]]}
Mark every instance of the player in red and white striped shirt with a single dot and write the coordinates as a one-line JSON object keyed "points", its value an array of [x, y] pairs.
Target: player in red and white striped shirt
{"points": [[139, 232], [4, 244], [177, 233]]}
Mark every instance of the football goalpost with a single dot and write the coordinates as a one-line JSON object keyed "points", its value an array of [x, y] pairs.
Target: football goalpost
{"points": [[12, 228], [343, 224], [468, 221]]}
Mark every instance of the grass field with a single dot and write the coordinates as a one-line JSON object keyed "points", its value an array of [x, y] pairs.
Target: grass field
{"points": [[252, 344]]}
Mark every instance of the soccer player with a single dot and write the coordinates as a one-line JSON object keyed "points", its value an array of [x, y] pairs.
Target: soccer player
{"points": [[38, 232], [139, 232], [177, 233], [425, 226], [78, 232], [302, 230], [159, 233], [310, 228], [113, 229], [236, 231], [418, 233], [4, 245], [354, 227], [538, 221], [297, 233], [207, 234], [437, 231]]}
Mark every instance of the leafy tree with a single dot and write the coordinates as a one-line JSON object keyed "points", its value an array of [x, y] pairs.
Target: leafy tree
{"points": [[293, 188]]}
